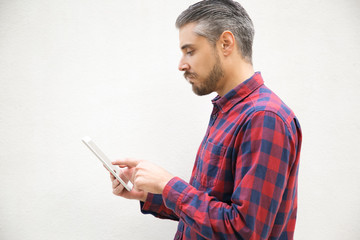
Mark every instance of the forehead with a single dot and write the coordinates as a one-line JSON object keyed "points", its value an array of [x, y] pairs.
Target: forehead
{"points": [[187, 36]]}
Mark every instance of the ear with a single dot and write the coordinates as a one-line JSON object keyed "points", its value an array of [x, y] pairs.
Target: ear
{"points": [[227, 43]]}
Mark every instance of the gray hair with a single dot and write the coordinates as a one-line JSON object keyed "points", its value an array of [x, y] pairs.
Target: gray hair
{"points": [[213, 17]]}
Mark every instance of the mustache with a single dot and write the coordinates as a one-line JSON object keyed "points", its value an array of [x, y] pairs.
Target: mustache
{"points": [[190, 75]]}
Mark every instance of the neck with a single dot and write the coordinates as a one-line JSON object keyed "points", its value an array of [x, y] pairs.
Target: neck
{"points": [[235, 73]]}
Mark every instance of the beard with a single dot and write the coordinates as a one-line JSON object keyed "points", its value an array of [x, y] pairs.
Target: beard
{"points": [[211, 81]]}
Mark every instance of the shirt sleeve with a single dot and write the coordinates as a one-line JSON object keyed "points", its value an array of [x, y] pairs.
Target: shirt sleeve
{"points": [[154, 205], [264, 185]]}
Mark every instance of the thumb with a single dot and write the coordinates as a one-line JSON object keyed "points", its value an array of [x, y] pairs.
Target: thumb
{"points": [[127, 162]]}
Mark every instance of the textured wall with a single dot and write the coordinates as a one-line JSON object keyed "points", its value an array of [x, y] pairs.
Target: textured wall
{"points": [[108, 69]]}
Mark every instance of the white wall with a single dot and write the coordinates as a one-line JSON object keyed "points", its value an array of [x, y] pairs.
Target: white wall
{"points": [[108, 69]]}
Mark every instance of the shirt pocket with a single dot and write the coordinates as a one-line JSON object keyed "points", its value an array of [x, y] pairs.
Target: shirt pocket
{"points": [[212, 160]]}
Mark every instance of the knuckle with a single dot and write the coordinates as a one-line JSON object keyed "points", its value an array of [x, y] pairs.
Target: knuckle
{"points": [[138, 182], [140, 165]]}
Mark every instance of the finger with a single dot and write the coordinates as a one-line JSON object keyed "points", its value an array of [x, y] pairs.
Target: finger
{"points": [[128, 162], [115, 184], [118, 190], [112, 177]]}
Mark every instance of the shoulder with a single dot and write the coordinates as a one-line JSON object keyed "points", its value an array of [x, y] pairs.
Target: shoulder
{"points": [[265, 104]]}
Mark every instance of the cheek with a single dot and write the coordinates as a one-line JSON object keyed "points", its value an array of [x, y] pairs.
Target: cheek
{"points": [[199, 65], [205, 63]]}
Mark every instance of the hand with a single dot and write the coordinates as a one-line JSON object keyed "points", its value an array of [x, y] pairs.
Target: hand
{"points": [[119, 189], [146, 176]]}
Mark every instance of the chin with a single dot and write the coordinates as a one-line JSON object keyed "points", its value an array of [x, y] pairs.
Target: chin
{"points": [[201, 92]]}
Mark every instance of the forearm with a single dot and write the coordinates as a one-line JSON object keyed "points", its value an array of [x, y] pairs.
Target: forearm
{"points": [[214, 219]]}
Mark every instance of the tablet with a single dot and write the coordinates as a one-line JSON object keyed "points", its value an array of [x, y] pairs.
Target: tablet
{"points": [[115, 170]]}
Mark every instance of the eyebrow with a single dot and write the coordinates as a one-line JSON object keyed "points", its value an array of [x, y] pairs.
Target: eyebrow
{"points": [[187, 46]]}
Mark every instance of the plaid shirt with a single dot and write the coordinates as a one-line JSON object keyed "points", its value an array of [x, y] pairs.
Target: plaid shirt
{"points": [[244, 181]]}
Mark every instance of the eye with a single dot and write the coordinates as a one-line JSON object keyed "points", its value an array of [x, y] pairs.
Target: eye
{"points": [[190, 53]]}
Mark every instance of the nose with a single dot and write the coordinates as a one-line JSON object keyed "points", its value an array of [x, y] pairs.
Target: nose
{"points": [[183, 66]]}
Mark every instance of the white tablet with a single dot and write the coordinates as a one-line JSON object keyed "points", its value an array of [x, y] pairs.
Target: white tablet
{"points": [[115, 170]]}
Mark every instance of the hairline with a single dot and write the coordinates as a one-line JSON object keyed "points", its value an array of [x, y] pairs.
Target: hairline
{"points": [[198, 31]]}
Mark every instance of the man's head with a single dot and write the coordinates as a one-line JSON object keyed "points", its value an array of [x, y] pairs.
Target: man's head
{"points": [[211, 33], [213, 17]]}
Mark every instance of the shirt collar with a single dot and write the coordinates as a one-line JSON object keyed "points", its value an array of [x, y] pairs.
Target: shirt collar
{"points": [[240, 92]]}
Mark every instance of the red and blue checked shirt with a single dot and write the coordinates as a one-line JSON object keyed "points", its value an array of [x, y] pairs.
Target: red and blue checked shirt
{"points": [[244, 181]]}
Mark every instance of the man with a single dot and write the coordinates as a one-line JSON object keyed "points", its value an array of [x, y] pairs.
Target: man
{"points": [[244, 181]]}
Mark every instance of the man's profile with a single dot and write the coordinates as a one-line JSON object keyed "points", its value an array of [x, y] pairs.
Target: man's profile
{"points": [[244, 180]]}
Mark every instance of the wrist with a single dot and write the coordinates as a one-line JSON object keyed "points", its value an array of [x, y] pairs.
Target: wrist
{"points": [[143, 199], [165, 182]]}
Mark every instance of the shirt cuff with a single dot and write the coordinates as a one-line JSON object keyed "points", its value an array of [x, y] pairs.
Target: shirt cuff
{"points": [[152, 203], [174, 192]]}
